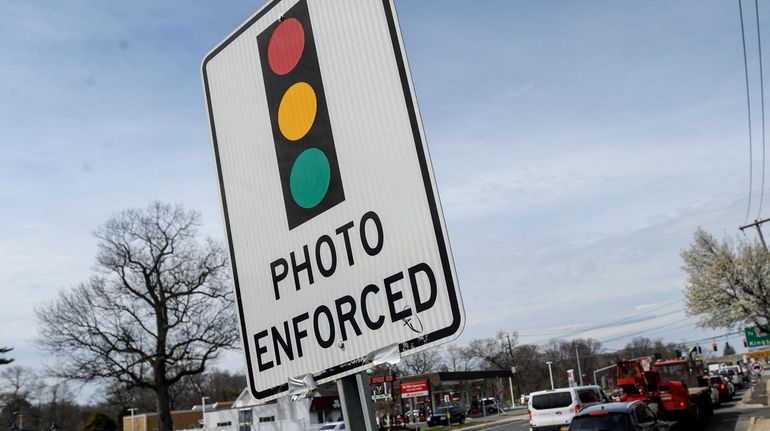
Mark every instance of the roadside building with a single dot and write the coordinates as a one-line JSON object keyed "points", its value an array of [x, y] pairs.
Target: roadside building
{"points": [[244, 414], [183, 419]]}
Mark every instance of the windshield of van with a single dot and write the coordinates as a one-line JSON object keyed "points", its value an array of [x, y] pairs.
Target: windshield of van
{"points": [[553, 400]]}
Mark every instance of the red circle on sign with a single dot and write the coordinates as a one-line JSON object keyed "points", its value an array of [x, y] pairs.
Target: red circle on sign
{"points": [[286, 46]]}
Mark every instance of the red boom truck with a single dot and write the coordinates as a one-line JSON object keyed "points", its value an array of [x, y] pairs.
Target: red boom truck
{"points": [[675, 387]]}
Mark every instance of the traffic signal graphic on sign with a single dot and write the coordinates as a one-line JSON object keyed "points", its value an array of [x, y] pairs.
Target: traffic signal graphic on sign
{"points": [[302, 133]]}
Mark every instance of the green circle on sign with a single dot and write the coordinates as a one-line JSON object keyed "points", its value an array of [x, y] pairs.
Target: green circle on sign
{"points": [[309, 179]]}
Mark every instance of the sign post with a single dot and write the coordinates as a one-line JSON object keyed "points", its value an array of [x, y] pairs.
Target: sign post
{"points": [[338, 246], [356, 404]]}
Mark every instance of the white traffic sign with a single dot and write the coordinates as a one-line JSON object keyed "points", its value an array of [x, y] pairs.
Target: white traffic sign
{"points": [[338, 244], [756, 368]]}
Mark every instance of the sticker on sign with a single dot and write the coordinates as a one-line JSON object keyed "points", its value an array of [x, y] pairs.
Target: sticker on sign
{"points": [[337, 241]]}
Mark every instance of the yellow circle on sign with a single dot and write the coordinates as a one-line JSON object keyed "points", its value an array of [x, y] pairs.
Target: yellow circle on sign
{"points": [[296, 113]]}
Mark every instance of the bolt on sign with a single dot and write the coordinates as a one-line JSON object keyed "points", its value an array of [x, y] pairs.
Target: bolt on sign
{"points": [[338, 246]]}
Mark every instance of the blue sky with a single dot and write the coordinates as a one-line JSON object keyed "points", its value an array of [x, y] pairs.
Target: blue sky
{"points": [[577, 146]]}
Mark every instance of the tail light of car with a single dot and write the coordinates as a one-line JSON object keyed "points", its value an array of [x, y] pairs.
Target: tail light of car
{"points": [[722, 386], [529, 413], [577, 408]]}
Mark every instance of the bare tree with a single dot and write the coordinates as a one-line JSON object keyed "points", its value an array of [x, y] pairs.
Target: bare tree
{"points": [[158, 309], [17, 380], [423, 362], [16, 383], [215, 384], [458, 359], [728, 284], [493, 353]]}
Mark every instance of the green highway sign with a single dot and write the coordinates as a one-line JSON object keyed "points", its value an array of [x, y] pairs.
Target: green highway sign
{"points": [[755, 337]]}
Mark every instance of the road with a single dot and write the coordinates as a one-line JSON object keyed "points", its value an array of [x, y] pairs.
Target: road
{"points": [[521, 425], [726, 418], [730, 417]]}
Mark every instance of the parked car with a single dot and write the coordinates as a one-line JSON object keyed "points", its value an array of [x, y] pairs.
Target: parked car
{"points": [[630, 416], [446, 414], [554, 409], [491, 405], [412, 415], [724, 386], [333, 426]]}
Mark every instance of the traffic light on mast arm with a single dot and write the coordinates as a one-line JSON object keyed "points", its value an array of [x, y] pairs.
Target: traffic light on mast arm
{"points": [[714, 346]]}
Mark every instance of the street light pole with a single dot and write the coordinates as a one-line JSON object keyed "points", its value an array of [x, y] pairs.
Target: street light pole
{"points": [[203, 411], [580, 372], [550, 373]]}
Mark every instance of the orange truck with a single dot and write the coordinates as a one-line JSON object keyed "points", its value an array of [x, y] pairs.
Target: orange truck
{"points": [[675, 387]]}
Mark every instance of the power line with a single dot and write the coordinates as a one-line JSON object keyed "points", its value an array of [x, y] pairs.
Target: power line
{"points": [[762, 92], [628, 322], [620, 322], [748, 107], [727, 334], [629, 319], [645, 331]]}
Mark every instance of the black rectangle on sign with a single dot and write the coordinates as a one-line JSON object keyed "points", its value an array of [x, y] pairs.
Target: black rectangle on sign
{"points": [[299, 117]]}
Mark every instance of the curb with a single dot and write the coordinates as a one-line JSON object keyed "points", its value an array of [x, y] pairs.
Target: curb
{"points": [[752, 423]]}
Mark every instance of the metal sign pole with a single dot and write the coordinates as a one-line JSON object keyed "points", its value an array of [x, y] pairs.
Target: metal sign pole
{"points": [[356, 400]]}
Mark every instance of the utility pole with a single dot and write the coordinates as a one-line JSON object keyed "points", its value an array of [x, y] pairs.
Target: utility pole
{"points": [[757, 224], [513, 370]]}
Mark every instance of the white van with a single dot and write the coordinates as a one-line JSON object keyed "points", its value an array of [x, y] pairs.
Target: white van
{"points": [[553, 410]]}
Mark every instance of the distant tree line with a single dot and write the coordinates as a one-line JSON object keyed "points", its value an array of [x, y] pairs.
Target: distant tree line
{"points": [[30, 402], [503, 352]]}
